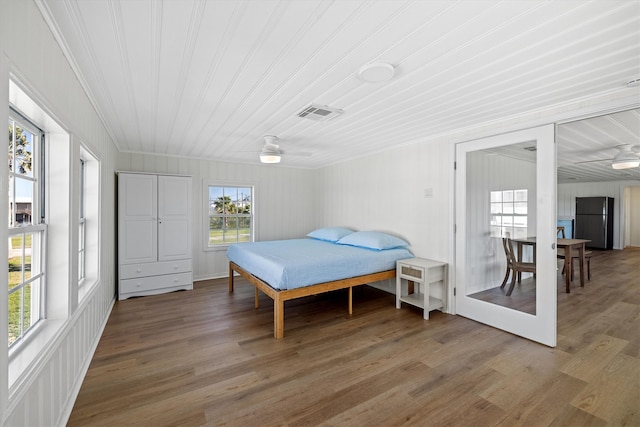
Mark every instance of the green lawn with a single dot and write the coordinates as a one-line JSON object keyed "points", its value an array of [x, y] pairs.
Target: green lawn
{"points": [[217, 236], [16, 241], [15, 270], [16, 298]]}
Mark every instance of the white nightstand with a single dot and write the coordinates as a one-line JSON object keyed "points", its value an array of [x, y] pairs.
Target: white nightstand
{"points": [[422, 272]]}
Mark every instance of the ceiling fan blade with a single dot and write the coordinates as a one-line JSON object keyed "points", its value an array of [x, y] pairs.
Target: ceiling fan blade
{"points": [[296, 153], [592, 161]]}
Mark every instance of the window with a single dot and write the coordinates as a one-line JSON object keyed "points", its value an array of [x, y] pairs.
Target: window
{"points": [[81, 225], [88, 212], [27, 231], [509, 213], [230, 214]]}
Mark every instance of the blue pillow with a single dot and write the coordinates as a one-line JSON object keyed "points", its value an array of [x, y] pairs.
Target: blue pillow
{"points": [[330, 234], [372, 240]]}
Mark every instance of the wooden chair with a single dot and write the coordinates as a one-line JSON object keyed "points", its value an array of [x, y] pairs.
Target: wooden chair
{"points": [[514, 267], [575, 255], [560, 253]]}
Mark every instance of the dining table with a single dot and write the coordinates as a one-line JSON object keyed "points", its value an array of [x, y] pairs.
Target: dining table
{"points": [[568, 245]]}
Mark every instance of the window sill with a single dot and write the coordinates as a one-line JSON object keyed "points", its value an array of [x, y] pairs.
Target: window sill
{"points": [[216, 248], [85, 287], [22, 358]]}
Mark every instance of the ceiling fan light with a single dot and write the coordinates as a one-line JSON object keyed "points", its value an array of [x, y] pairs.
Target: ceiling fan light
{"points": [[625, 164], [269, 158], [625, 159]]}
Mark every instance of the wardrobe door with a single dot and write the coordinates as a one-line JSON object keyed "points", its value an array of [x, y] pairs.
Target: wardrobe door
{"points": [[174, 218], [137, 225]]}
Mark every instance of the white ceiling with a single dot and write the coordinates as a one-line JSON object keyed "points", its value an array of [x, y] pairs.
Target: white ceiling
{"points": [[207, 79], [585, 148]]}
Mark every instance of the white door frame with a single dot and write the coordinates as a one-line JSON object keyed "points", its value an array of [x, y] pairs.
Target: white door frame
{"points": [[541, 327]]}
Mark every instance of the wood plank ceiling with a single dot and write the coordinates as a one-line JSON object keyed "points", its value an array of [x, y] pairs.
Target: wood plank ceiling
{"points": [[207, 79]]}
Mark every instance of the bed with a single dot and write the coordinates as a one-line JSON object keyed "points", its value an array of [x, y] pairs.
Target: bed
{"points": [[328, 259]]}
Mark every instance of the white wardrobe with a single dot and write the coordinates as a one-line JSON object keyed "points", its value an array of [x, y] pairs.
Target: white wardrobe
{"points": [[154, 234]]}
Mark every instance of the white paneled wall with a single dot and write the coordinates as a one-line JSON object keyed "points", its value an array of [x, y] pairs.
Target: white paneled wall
{"points": [[286, 200], [567, 194], [44, 395], [386, 192]]}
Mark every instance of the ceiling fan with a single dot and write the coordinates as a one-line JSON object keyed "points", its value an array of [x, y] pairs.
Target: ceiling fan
{"points": [[271, 152], [628, 157]]}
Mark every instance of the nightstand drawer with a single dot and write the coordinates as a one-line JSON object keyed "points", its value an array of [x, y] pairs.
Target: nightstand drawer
{"points": [[409, 272]]}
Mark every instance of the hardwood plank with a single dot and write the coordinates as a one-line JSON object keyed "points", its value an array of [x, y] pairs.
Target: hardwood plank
{"points": [[593, 358], [624, 323], [207, 357], [381, 410], [573, 417], [319, 408], [603, 398], [542, 409]]}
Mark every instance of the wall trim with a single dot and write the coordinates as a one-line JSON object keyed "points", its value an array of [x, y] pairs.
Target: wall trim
{"points": [[65, 411]]}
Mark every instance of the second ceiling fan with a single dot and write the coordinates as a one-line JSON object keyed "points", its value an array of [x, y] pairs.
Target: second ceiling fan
{"points": [[628, 157]]}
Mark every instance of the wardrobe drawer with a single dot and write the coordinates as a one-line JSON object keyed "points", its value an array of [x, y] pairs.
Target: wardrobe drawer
{"points": [[154, 268], [155, 282]]}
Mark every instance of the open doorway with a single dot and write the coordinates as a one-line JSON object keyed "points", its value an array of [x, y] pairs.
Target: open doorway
{"points": [[631, 209], [586, 149]]}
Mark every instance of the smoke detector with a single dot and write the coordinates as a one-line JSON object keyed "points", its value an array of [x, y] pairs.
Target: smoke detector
{"points": [[319, 113]]}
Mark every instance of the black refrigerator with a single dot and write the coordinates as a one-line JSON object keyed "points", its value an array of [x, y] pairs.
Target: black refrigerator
{"points": [[594, 221]]}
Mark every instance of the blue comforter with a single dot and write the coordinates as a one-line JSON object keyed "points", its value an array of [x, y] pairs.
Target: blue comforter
{"points": [[289, 264]]}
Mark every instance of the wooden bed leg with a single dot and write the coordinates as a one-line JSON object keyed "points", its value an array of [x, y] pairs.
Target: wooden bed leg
{"points": [[278, 318], [350, 300], [256, 297], [230, 278]]}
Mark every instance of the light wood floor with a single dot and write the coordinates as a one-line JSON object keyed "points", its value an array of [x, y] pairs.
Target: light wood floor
{"points": [[206, 357], [523, 297]]}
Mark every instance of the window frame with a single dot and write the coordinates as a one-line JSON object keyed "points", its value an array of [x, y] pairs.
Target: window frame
{"points": [[207, 246], [514, 229], [90, 191], [36, 228], [82, 241]]}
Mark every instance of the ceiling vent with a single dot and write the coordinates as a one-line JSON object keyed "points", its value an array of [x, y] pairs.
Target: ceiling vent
{"points": [[319, 113]]}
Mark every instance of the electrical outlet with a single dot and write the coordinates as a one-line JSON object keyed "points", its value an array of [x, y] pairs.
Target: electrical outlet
{"points": [[428, 193]]}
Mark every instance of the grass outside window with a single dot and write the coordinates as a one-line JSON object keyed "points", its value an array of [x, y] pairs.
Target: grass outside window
{"points": [[221, 237], [19, 290]]}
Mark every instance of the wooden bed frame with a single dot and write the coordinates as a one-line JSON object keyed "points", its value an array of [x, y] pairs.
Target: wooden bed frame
{"points": [[280, 296]]}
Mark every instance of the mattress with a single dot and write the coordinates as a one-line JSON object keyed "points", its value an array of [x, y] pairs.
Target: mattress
{"points": [[295, 263]]}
